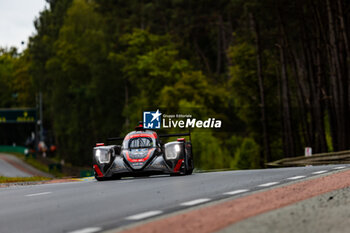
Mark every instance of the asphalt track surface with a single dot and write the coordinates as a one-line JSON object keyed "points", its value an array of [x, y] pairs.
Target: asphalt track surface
{"points": [[8, 170], [11, 166], [90, 206]]}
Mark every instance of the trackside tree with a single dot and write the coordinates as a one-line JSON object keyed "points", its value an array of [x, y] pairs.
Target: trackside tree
{"points": [[275, 72]]}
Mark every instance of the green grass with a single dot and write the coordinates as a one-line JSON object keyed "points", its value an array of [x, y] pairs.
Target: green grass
{"points": [[33, 162], [42, 167], [4, 179]]}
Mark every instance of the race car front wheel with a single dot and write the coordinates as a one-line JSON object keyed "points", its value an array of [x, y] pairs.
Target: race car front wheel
{"points": [[107, 178], [101, 178], [189, 171]]}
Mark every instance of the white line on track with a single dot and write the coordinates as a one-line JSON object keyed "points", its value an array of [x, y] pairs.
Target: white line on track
{"points": [[37, 194], [144, 215], [125, 181], [87, 230], [337, 168], [320, 172], [295, 177], [195, 202], [236, 192], [268, 184]]}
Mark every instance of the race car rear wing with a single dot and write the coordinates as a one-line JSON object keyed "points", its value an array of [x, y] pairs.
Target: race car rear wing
{"points": [[175, 135], [115, 139], [161, 136]]}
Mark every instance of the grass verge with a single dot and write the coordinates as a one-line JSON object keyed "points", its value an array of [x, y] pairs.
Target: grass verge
{"points": [[4, 179]]}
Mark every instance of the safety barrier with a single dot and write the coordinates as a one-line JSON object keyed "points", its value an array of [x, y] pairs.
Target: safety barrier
{"points": [[341, 157], [14, 149]]}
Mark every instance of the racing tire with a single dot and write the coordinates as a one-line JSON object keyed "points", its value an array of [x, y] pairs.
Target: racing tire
{"points": [[107, 178], [116, 177], [189, 163], [101, 178], [189, 172], [176, 174]]}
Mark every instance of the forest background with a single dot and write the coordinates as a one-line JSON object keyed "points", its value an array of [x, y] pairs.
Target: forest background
{"points": [[276, 73]]}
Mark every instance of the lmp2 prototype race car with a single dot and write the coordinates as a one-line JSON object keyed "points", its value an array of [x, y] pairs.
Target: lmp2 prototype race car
{"points": [[142, 153]]}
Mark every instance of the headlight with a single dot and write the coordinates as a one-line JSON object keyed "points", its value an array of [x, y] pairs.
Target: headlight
{"points": [[103, 156], [172, 150], [177, 148]]}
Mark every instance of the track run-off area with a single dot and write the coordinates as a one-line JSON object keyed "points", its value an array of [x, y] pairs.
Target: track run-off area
{"points": [[153, 204]]}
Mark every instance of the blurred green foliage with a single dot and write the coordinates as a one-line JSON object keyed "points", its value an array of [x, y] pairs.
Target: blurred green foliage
{"points": [[99, 64]]}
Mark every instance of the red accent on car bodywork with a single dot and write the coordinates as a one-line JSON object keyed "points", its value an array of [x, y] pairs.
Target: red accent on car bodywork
{"points": [[98, 171], [178, 165], [138, 160], [140, 135], [155, 135], [181, 139], [100, 144]]}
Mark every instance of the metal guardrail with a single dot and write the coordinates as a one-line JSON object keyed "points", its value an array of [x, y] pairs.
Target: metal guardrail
{"points": [[341, 157]]}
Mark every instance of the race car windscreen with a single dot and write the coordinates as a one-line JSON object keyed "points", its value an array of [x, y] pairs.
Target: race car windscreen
{"points": [[139, 142]]}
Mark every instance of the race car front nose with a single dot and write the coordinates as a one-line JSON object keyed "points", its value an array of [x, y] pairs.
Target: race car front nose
{"points": [[138, 158]]}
